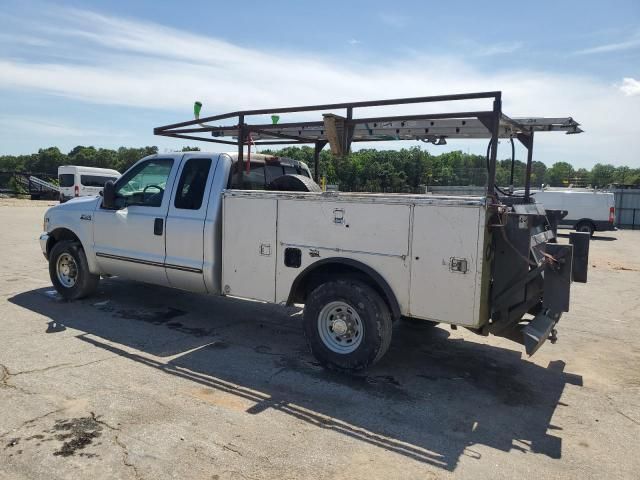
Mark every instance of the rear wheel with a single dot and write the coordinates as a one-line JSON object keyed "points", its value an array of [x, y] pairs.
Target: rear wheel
{"points": [[69, 271], [347, 325], [586, 227]]}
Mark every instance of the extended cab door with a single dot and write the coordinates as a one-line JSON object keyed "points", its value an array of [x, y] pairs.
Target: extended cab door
{"points": [[185, 223], [130, 241]]}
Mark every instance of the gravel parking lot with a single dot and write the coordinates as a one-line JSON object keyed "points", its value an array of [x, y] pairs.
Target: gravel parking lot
{"points": [[145, 382]]}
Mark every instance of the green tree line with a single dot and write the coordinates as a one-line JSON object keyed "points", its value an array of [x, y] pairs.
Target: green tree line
{"points": [[406, 170]]}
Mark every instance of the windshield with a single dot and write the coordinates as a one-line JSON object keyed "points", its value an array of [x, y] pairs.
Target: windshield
{"points": [[144, 184], [66, 179]]}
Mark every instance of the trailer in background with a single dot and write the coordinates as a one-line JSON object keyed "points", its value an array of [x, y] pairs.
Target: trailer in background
{"points": [[39, 186]]}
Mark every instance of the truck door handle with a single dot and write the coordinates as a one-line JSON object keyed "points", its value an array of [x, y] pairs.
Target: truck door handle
{"points": [[158, 226]]}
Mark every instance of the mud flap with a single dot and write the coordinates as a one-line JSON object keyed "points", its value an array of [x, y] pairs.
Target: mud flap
{"points": [[537, 332], [557, 278], [580, 242]]}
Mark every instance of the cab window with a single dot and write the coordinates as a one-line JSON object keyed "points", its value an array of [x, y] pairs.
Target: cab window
{"points": [[192, 183], [145, 184], [273, 172], [261, 174], [254, 180], [94, 180]]}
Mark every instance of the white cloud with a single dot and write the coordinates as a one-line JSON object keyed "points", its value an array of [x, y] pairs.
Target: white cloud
{"points": [[139, 64], [630, 86], [12, 125], [631, 43], [354, 41], [28, 40]]}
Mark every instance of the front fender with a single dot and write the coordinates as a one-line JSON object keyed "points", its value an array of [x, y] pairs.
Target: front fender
{"points": [[74, 218]]}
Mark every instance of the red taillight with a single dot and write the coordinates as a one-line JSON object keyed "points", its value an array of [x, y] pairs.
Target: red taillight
{"points": [[612, 214], [76, 191]]}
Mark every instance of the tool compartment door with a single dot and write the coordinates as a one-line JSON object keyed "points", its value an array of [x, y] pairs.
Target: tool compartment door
{"points": [[445, 280], [249, 247]]}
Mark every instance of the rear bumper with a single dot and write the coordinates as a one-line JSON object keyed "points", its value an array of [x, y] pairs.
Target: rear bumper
{"points": [[529, 297], [44, 239], [599, 225], [603, 226]]}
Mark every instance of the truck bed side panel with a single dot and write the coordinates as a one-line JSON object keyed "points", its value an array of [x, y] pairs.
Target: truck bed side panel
{"points": [[249, 247], [371, 229], [445, 276], [375, 235], [357, 227]]}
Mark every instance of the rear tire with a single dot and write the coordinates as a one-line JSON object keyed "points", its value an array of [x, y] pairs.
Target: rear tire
{"points": [[586, 227], [347, 325], [69, 271]]}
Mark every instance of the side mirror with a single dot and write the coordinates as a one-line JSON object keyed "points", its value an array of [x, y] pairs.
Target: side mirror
{"points": [[109, 195]]}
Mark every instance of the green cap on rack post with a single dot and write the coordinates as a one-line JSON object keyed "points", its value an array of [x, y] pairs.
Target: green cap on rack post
{"points": [[197, 106], [274, 119]]}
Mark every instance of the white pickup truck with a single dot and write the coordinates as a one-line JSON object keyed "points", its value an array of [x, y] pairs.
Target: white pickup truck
{"points": [[358, 262]]}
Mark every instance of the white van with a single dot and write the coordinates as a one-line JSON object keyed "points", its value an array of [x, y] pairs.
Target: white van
{"points": [[76, 181], [588, 210]]}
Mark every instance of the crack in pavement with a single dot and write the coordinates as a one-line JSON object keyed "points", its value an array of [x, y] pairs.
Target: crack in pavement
{"points": [[232, 448], [96, 418], [33, 420], [4, 376], [4, 381], [5, 373], [612, 402], [125, 458], [37, 370]]}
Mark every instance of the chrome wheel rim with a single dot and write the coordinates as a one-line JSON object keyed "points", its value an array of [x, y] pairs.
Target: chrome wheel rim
{"points": [[340, 327], [66, 270]]}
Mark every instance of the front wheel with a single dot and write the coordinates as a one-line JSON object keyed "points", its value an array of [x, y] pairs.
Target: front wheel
{"points": [[347, 325], [69, 271]]}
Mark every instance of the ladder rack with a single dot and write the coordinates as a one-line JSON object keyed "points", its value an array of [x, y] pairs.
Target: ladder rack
{"points": [[340, 131]]}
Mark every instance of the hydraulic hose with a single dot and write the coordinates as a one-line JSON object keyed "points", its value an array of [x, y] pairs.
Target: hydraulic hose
{"points": [[513, 162]]}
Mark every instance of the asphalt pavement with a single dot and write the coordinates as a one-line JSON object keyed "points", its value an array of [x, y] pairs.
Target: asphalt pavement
{"points": [[146, 382]]}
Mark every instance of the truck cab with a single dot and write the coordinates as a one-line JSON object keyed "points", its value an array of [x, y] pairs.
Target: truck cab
{"points": [[164, 225]]}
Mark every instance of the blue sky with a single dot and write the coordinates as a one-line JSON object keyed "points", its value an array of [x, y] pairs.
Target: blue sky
{"points": [[106, 73]]}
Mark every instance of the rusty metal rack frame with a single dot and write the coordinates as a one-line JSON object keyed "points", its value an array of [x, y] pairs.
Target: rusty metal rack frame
{"points": [[341, 131]]}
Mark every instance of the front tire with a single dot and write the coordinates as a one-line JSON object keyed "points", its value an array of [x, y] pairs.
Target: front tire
{"points": [[347, 325], [69, 271]]}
